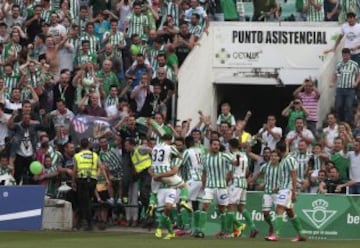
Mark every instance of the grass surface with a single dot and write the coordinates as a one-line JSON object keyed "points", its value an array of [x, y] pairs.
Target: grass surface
{"points": [[129, 240]]}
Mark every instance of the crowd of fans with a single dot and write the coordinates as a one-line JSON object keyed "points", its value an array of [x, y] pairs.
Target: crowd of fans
{"points": [[120, 60]]}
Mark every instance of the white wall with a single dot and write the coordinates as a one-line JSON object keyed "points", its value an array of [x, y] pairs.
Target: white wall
{"points": [[195, 90], [197, 75]]}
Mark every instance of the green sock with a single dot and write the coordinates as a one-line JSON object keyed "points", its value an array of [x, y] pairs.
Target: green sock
{"points": [[278, 224], [185, 218], [203, 218], [179, 220], [248, 219], [160, 221], [223, 222], [196, 221], [230, 216], [173, 215], [184, 193], [268, 220], [236, 223], [153, 199], [297, 225], [167, 223]]}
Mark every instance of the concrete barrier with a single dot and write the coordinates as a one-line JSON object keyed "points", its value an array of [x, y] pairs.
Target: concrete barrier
{"points": [[57, 215]]}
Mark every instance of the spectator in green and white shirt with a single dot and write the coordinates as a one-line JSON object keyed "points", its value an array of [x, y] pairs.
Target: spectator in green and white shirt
{"points": [[348, 78], [90, 36], [136, 23], [314, 10]]}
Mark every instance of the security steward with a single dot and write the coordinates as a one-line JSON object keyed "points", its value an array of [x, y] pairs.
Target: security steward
{"points": [[141, 160], [84, 180]]}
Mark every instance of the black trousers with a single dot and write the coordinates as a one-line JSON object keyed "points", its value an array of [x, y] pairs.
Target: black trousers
{"points": [[144, 179], [85, 188], [22, 171]]}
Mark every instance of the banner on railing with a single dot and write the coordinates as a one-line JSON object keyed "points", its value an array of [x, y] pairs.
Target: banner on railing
{"points": [[21, 207], [322, 216]]}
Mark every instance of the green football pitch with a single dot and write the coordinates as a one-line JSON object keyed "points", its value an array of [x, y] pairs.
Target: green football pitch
{"points": [[129, 240]]}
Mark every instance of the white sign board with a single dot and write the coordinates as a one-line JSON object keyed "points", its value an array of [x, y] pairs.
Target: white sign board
{"points": [[265, 46]]}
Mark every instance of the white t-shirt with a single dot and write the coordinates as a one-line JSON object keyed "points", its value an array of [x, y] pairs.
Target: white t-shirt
{"points": [[58, 30], [331, 134], [294, 145], [269, 139], [3, 128], [198, 10], [354, 170], [352, 36]]}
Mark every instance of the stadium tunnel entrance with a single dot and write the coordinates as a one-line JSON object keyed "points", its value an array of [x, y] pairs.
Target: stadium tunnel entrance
{"points": [[261, 100]]}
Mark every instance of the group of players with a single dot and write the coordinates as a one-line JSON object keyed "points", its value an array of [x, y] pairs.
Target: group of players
{"points": [[195, 177]]}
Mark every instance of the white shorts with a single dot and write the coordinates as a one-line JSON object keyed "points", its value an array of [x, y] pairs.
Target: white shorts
{"points": [[237, 195], [195, 192], [220, 195], [166, 196], [155, 186], [268, 201], [283, 198]]}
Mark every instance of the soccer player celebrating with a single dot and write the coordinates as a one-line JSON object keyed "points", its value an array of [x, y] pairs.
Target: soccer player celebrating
{"points": [[270, 173], [192, 162], [166, 197], [163, 155], [287, 193], [237, 193], [215, 176]]}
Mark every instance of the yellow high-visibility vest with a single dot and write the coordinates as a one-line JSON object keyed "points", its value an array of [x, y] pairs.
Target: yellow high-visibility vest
{"points": [[140, 161], [86, 162]]}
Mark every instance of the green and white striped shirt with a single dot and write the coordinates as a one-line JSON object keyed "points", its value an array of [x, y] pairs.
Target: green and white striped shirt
{"points": [[81, 23], [346, 73], [11, 81], [192, 160], [112, 161], [314, 15], [137, 24], [116, 40], [153, 53], [94, 42], [287, 165], [46, 14], [183, 172], [271, 177], [173, 10], [239, 172], [195, 30], [216, 167], [82, 58], [55, 4], [162, 156], [75, 7], [75, 41], [302, 160]]}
